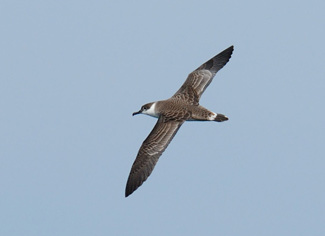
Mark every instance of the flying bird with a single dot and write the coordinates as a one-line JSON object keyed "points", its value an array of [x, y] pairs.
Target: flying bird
{"points": [[172, 113]]}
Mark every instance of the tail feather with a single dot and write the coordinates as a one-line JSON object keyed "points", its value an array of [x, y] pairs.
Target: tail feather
{"points": [[220, 118]]}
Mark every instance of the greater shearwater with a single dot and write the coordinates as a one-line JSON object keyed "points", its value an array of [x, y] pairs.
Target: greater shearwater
{"points": [[171, 114]]}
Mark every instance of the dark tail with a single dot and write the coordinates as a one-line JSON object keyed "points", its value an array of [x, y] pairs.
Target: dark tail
{"points": [[221, 118]]}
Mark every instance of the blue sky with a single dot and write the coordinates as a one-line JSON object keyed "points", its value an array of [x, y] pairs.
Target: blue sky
{"points": [[72, 73]]}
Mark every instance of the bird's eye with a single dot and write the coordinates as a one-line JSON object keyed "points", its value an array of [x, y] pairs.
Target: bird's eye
{"points": [[144, 108]]}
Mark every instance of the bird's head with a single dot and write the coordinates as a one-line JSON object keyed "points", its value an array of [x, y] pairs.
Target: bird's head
{"points": [[148, 109]]}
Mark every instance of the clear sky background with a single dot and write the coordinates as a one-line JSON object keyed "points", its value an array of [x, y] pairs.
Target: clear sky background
{"points": [[72, 73]]}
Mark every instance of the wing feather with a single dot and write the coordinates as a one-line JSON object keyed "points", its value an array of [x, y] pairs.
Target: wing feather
{"points": [[150, 151], [199, 80]]}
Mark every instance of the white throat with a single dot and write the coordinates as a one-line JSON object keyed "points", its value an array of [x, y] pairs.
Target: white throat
{"points": [[151, 111]]}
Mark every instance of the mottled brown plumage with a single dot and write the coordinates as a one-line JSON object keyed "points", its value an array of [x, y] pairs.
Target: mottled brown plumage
{"points": [[171, 114]]}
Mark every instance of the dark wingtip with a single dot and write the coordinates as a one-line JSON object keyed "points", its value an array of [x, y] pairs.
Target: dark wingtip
{"points": [[127, 194], [132, 185], [218, 61], [230, 49], [226, 53], [128, 190]]}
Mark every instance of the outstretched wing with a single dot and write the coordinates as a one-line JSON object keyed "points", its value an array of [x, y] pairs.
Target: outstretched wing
{"points": [[150, 151], [199, 80]]}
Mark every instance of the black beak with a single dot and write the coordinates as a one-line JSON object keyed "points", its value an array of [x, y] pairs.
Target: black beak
{"points": [[136, 113]]}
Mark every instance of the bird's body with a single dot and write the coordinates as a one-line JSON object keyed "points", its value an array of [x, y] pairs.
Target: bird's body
{"points": [[172, 113], [175, 109]]}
